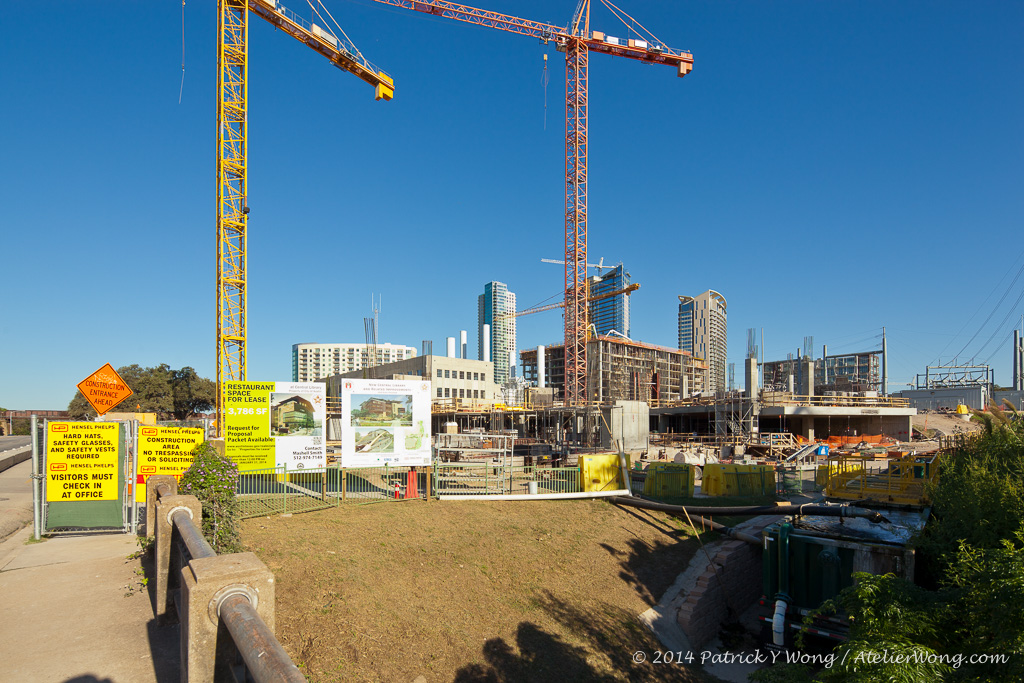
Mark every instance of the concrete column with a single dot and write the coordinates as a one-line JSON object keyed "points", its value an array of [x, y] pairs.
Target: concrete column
{"points": [[540, 367], [751, 379], [451, 347], [164, 536], [807, 427], [151, 484], [807, 375], [205, 583]]}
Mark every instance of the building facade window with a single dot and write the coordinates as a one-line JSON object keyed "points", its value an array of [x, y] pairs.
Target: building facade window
{"points": [[439, 392]]}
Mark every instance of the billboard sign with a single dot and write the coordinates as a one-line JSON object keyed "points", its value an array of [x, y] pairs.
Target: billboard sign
{"points": [[275, 424], [385, 422]]}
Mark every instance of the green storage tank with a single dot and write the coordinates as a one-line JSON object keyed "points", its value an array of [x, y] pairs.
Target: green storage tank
{"points": [[821, 555]]}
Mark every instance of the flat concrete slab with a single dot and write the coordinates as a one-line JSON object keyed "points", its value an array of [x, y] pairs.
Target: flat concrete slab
{"points": [[74, 607]]}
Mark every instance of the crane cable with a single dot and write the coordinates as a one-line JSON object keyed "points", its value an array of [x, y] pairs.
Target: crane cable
{"points": [[336, 24], [617, 11], [544, 82], [182, 87]]}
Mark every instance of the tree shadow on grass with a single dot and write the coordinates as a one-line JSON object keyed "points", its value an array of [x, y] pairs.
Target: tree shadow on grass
{"points": [[652, 567], [608, 640]]}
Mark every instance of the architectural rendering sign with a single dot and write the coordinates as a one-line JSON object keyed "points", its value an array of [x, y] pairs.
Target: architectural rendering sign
{"points": [[385, 422], [164, 450], [275, 424], [81, 461]]}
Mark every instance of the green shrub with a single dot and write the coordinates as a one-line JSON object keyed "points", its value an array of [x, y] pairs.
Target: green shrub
{"points": [[213, 480]]}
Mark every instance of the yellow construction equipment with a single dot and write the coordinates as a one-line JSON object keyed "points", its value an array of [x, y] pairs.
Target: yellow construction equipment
{"points": [[233, 148]]}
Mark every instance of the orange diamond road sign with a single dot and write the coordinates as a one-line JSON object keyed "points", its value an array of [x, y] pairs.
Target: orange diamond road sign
{"points": [[104, 389]]}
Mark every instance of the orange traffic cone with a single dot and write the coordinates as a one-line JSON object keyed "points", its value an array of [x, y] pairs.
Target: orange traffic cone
{"points": [[411, 484]]}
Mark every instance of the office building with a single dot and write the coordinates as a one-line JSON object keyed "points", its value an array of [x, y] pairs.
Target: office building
{"points": [[702, 332], [610, 314], [471, 381], [495, 320], [311, 362]]}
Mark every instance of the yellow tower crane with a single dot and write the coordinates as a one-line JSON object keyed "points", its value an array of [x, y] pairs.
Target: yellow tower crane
{"points": [[233, 148]]}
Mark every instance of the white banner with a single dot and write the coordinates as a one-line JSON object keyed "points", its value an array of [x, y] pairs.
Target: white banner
{"points": [[385, 422]]}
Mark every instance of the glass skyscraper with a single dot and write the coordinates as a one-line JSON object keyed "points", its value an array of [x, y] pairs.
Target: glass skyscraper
{"points": [[611, 313], [495, 308]]}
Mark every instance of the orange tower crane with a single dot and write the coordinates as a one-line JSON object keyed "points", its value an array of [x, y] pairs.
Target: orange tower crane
{"points": [[577, 41], [233, 151]]}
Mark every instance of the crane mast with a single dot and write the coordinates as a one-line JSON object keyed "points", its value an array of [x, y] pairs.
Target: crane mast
{"points": [[577, 41], [232, 191], [232, 160]]}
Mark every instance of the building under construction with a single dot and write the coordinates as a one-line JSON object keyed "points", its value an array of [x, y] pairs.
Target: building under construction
{"points": [[844, 372], [621, 370]]}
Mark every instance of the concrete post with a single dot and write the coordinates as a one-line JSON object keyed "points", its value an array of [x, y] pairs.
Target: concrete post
{"points": [[164, 535], [205, 583], [807, 375], [752, 384], [151, 485]]}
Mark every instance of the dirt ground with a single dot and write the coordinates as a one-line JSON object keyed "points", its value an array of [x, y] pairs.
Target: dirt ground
{"points": [[472, 591], [936, 424]]}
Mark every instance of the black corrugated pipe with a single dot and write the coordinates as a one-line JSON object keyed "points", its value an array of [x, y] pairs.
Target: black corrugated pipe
{"points": [[755, 510]]}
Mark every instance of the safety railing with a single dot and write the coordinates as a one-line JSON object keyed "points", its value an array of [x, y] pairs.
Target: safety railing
{"points": [[279, 490], [490, 479], [212, 593], [903, 480], [775, 399]]}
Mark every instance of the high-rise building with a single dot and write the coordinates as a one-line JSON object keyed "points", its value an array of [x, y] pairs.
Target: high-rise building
{"points": [[311, 362], [702, 332], [495, 309], [611, 313]]}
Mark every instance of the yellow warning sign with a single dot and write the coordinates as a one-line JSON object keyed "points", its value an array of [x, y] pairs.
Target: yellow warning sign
{"points": [[104, 389], [164, 450], [81, 461]]}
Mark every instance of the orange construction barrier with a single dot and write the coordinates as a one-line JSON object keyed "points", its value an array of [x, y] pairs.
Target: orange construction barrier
{"points": [[412, 484]]}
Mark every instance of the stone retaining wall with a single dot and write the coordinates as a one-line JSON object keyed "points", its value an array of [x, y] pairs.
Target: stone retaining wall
{"points": [[735, 586]]}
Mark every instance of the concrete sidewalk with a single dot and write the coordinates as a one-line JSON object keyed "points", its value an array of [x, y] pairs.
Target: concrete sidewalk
{"points": [[73, 607]]}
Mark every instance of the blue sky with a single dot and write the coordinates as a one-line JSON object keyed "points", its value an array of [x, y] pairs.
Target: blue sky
{"points": [[830, 167]]}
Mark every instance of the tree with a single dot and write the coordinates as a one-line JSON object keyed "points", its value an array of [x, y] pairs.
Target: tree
{"points": [[191, 393], [162, 390]]}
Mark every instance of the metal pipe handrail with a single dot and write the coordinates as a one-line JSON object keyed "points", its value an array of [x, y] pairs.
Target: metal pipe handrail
{"points": [[263, 655], [193, 538], [755, 510], [265, 659]]}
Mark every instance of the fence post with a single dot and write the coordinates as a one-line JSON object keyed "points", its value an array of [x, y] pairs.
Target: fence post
{"points": [[206, 583], [430, 473], [165, 507], [344, 482]]}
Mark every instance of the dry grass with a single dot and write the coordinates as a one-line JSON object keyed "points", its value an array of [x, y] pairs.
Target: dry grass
{"points": [[472, 591]]}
